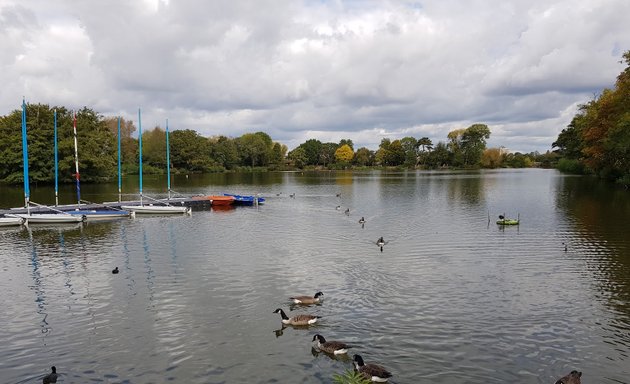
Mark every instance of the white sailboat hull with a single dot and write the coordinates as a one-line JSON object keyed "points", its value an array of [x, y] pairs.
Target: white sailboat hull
{"points": [[49, 218], [92, 215], [155, 209], [10, 221]]}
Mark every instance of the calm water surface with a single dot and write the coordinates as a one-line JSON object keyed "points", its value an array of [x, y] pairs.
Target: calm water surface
{"points": [[451, 299]]}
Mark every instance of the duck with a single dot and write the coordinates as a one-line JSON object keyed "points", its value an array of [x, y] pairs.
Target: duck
{"points": [[51, 377], [362, 220], [338, 207], [572, 378], [307, 299], [371, 371], [332, 347], [347, 211], [115, 270], [292, 195], [297, 319]]}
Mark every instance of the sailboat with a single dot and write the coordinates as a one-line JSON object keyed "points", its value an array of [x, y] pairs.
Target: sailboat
{"points": [[90, 214], [150, 208], [11, 221], [29, 218]]}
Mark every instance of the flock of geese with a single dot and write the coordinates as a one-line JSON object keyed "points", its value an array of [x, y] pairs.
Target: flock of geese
{"points": [[370, 371]]}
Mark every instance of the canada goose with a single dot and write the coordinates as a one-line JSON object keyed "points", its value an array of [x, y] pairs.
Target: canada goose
{"points": [[373, 372], [292, 195], [565, 246], [51, 377], [339, 195], [381, 242], [362, 220], [297, 319], [115, 270], [333, 347], [338, 207], [571, 378], [347, 211], [307, 299]]}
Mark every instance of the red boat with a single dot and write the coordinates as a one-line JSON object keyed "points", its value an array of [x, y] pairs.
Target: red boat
{"points": [[216, 200]]}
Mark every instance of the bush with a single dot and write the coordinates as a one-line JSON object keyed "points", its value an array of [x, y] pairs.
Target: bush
{"points": [[570, 166]]}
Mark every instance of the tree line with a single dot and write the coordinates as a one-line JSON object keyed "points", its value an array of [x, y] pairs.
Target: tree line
{"points": [[192, 153], [464, 148], [597, 141]]}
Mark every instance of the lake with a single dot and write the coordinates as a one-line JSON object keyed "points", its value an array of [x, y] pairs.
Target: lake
{"points": [[452, 298]]}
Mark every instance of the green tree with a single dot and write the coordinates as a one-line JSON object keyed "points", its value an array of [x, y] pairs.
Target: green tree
{"points": [[128, 144], [312, 149], [224, 151], [425, 145], [327, 154], [473, 143], [189, 151], [298, 157], [441, 156], [455, 146], [154, 150], [410, 147], [363, 157], [346, 142], [252, 149]]}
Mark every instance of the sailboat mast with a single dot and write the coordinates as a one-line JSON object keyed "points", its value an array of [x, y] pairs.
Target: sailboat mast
{"points": [[76, 159], [168, 163], [119, 173], [56, 165], [27, 192], [140, 150]]}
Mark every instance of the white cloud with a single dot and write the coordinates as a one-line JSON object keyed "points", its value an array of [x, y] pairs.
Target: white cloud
{"points": [[362, 70]]}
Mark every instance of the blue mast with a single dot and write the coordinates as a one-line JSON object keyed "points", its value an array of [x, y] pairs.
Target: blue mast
{"points": [[27, 192], [140, 150], [119, 173], [56, 165], [168, 163]]}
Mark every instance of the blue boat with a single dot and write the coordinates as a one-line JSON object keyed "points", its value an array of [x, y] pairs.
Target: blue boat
{"points": [[245, 200]]}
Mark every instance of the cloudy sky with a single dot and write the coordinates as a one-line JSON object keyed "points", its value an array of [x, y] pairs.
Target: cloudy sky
{"points": [[301, 69]]}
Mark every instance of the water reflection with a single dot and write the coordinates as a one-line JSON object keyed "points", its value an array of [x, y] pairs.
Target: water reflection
{"points": [[40, 295], [451, 298]]}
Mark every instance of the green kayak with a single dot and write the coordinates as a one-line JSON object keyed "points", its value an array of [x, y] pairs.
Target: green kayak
{"points": [[507, 222]]}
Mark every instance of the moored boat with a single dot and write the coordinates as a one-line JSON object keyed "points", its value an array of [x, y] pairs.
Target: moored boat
{"points": [[49, 218], [246, 200], [156, 209], [91, 214], [11, 221], [216, 199]]}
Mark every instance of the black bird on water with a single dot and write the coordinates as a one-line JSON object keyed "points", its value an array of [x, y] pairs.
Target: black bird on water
{"points": [[51, 377], [115, 270]]}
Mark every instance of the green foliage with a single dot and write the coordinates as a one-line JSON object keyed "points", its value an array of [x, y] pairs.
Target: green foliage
{"points": [[350, 377], [570, 166], [96, 145], [363, 157]]}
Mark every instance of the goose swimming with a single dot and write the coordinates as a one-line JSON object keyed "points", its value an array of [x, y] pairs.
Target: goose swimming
{"points": [[371, 371], [332, 347], [307, 299], [297, 319]]}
